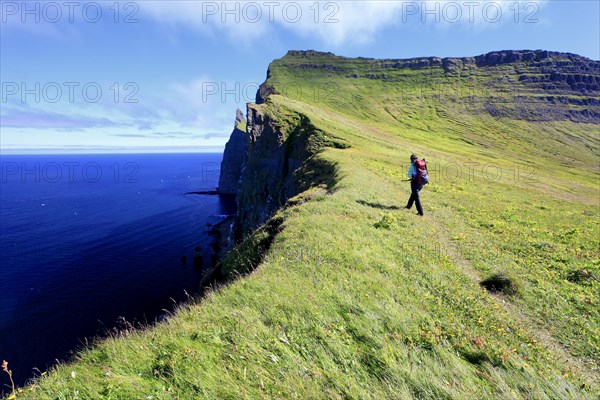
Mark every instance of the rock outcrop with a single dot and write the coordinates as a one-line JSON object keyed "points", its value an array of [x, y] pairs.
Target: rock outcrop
{"points": [[278, 164], [268, 180], [258, 165], [233, 158]]}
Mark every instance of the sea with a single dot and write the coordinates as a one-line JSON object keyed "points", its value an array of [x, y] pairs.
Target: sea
{"points": [[90, 243]]}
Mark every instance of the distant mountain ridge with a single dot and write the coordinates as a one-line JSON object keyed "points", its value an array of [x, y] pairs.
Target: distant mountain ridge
{"points": [[487, 59], [532, 85]]}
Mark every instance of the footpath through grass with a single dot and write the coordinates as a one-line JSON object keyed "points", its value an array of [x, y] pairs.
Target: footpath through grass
{"points": [[360, 298]]}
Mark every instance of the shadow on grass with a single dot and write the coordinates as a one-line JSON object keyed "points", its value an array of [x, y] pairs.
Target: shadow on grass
{"points": [[305, 143], [500, 283], [317, 172], [377, 205], [245, 256]]}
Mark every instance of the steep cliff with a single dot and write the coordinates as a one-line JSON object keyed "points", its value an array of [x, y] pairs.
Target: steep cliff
{"points": [[279, 163], [233, 157]]}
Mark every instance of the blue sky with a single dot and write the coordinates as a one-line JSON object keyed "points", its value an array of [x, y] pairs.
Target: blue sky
{"points": [[109, 76]]}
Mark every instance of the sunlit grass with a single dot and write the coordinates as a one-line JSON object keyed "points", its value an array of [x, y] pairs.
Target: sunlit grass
{"points": [[357, 297]]}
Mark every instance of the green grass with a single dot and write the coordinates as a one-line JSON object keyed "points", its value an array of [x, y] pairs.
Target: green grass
{"points": [[349, 295], [241, 126]]}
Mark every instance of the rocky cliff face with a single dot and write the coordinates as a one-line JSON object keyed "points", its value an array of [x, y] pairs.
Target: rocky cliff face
{"points": [[280, 147], [233, 158], [277, 164], [264, 184]]}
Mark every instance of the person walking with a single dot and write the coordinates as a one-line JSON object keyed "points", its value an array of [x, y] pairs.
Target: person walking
{"points": [[417, 174]]}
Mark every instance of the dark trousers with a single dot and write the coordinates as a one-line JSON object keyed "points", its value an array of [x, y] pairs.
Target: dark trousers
{"points": [[414, 197]]}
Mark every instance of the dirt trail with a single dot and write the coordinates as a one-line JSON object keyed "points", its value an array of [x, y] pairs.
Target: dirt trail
{"points": [[585, 368]]}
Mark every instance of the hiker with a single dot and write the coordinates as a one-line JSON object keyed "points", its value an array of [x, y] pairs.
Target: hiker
{"points": [[417, 175]]}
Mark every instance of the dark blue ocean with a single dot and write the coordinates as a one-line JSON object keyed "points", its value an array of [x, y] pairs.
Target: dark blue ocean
{"points": [[88, 239]]}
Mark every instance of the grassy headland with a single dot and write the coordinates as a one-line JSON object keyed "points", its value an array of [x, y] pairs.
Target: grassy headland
{"points": [[357, 297]]}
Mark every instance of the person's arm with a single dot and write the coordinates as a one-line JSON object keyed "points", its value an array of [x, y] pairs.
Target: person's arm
{"points": [[411, 171]]}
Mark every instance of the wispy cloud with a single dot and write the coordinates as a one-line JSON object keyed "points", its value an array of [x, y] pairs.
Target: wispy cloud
{"points": [[186, 110], [129, 135], [175, 135], [333, 22], [37, 119], [206, 104], [99, 149]]}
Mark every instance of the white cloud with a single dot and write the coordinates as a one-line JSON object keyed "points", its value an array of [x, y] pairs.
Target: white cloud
{"points": [[208, 17], [206, 103], [335, 22]]}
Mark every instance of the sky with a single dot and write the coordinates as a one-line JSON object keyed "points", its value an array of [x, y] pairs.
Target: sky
{"points": [[168, 76]]}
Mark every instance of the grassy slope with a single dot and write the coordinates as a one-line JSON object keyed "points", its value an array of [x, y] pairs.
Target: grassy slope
{"points": [[360, 298]]}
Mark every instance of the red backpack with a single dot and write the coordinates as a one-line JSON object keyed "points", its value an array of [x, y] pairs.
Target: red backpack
{"points": [[422, 175]]}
